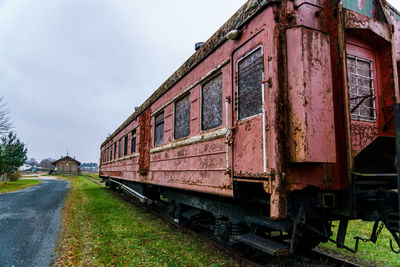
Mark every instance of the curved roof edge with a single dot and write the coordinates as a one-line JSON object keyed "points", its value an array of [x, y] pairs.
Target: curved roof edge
{"points": [[240, 18]]}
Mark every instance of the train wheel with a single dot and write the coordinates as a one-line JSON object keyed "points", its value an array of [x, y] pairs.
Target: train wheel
{"points": [[309, 239], [306, 243]]}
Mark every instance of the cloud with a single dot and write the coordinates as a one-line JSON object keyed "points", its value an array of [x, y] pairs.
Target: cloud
{"points": [[72, 71]]}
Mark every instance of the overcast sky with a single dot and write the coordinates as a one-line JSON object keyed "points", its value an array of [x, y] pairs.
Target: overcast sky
{"points": [[71, 71]]}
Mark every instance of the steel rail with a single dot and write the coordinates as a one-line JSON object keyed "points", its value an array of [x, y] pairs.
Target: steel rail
{"points": [[160, 209]]}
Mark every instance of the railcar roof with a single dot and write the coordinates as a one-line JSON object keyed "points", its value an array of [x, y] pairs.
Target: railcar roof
{"points": [[240, 18]]}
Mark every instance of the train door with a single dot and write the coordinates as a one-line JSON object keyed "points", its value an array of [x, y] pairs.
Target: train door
{"points": [[249, 116], [363, 93]]}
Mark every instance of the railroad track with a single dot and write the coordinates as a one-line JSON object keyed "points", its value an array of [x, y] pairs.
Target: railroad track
{"points": [[251, 258], [336, 261], [93, 179]]}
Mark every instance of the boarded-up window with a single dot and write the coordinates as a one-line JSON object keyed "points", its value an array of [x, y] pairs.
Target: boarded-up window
{"points": [[249, 80], [182, 118], [126, 145], [159, 129], [211, 106], [119, 148], [133, 142], [398, 72], [361, 87]]}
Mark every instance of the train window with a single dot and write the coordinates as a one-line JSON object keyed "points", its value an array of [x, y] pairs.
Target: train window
{"points": [[119, 148], [126, 145], [133, 142], [182, 118], [361, 86], [159, 129], [398, 72], [249, 82], [211, 106]]}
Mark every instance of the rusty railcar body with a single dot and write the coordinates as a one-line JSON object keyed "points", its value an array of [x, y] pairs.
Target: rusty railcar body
{"points": [[282, 121]]}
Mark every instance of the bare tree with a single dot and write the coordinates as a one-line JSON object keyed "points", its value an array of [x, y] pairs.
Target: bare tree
{"points": [[46, 163], [32, 162], [5, 121]]}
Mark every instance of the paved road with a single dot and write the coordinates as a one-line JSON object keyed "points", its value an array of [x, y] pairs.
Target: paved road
{"points": [[29, 222]]}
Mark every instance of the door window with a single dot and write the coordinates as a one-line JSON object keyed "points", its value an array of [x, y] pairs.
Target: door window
{"points": [[249, 80], [361, 86]]}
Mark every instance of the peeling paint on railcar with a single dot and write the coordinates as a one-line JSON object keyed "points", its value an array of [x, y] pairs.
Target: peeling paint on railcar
{"points": [[208, 161]]}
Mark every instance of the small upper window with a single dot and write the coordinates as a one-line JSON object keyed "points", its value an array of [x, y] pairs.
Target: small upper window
{"points": [[159, 129], [182, 117], [119, 148], [361, 86], [249, 77], [211, 106], [126, 145], [133, 142]]}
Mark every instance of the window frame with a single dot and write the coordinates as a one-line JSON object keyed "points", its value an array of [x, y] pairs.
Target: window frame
{"points": [[237, 83], [175, 101], [126, 145], [119, 148], [133, 144], [201, 100], [374, 90], [161, 112]]}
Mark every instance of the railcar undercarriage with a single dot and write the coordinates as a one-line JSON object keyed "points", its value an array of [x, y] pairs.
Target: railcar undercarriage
{"points": [[245, 220]]}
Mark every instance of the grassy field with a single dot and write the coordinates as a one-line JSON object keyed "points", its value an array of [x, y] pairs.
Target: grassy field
{"points": [[370, 254], [100, 229], [17, 185]]}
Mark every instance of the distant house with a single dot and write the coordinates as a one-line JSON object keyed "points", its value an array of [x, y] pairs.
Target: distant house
{"points": [[89, 167], [67, 165], [25, 168]]}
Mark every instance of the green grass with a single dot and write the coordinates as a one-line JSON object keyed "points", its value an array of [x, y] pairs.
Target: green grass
{"points": [[378, 254], [17, 185], [100, 229]]}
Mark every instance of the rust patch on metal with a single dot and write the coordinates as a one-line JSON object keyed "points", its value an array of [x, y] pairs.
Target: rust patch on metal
{"points": [[145, 142], [251, 174], [112, 173], [362, 134], [333, 23], [247, 127], [278, 206]]}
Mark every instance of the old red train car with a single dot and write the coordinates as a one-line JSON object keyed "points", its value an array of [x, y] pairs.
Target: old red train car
{"points": [[282, 121]]}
